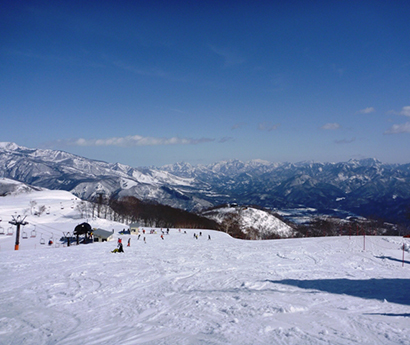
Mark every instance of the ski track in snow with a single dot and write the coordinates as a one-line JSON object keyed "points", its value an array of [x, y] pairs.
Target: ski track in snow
{"points": [[225, 291], [182, 290]]}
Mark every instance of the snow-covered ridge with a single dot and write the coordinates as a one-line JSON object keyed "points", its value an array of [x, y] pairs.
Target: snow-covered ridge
{"points": [[85, 177], [255, 223], [265, 223], [12, 187], [365, 187], [7, 146]]}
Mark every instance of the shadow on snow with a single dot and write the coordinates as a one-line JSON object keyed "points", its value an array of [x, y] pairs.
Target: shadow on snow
{"points": [[388, 314], [393, 259], [391, 290]]}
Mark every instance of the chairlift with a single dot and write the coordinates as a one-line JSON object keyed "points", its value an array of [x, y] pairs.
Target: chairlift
{"points": [[42, 240], [33, 232], [24, 235], [10, 231], [2, 232]]}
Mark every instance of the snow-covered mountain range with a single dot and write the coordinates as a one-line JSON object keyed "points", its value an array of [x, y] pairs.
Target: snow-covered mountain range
{"points": [[365, 187], [87, 178]]}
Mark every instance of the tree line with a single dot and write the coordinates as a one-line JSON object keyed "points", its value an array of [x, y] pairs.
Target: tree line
{"points": [[131, 209]]}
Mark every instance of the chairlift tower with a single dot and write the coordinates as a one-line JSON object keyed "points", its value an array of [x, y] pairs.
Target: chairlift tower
{"points": [[101, 194], [18, 222]]}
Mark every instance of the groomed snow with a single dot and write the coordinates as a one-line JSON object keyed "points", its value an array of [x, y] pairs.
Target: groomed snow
{"points": [[182, 290]]}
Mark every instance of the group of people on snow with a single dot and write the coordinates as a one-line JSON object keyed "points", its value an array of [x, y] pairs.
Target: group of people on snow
{"points": [[120, 248]]}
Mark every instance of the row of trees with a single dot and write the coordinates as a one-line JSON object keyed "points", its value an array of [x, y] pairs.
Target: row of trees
{"points": [[158, 215], [332, 226]]}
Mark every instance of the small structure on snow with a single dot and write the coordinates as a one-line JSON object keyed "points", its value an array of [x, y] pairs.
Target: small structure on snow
{"points": [[135, 228], [83, 229], [101, 235]]}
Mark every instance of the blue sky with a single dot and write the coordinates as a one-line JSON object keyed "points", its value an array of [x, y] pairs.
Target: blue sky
{"points": [[158, 82]]}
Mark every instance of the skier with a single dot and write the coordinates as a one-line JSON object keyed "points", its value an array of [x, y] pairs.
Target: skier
{"points": [[162, 236], [209, 237], [120, 248], [129, 242]]}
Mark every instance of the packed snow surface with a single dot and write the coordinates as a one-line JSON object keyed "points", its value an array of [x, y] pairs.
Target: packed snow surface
{"points": [[183, 290]]}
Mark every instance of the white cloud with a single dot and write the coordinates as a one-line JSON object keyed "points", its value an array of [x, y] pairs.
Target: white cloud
{"points": [[367, 110], [225, 139], [405, 111], [238, 125], [267, 126], [397, 129], [136, 140], [330, 126]]}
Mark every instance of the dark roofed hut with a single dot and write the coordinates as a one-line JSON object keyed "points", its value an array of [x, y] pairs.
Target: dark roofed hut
{"points": [[82, 229]]}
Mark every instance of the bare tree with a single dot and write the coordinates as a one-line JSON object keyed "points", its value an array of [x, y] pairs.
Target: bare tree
{"points": [[82, 208], [33, 204], [41, 210]]}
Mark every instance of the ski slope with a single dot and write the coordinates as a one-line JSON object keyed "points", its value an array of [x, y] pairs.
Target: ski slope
{"points": [[183, 290]]}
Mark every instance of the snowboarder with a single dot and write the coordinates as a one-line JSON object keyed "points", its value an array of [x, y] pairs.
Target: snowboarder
{"points": [[162, 236], [120, 248], [209, 237]]}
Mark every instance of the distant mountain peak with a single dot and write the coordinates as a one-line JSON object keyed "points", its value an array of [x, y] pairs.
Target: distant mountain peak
{"points": [[9, 146]]}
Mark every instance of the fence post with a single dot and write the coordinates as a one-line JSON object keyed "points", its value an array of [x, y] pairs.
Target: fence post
{"points": [[402, 265]]}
